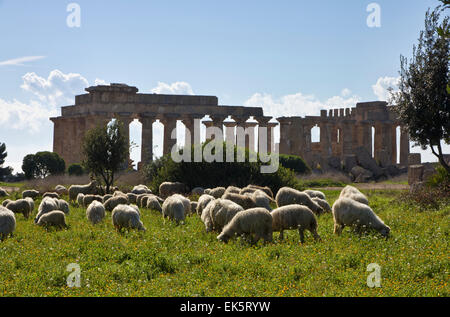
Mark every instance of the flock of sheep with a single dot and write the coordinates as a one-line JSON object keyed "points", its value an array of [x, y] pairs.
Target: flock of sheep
{"points": [[228, 211]]}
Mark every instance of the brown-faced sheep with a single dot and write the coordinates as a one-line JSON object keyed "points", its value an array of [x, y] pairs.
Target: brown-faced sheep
{"points": [[295, 217], [167, 189], [289, 196], [95, 212], [256, 222], [349, 212], [55, 218], [7, 223], [125, 216], [90, 188], [354, 193]]}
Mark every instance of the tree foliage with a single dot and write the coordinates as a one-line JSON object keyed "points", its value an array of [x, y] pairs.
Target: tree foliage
{"points": [[105, 150], [422, 101], [75, 170], [43, 164], [4, 171]]}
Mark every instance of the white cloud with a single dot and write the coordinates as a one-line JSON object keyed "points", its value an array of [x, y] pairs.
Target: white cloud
{"points": [[346, 92], [20, 60], [177, 88], [99, 82], [380, 89]]}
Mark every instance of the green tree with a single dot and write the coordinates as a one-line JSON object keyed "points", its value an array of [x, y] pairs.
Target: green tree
{"points": [[4, 171], [75, 170], [43, 164], [105, 150], [422, 101]]}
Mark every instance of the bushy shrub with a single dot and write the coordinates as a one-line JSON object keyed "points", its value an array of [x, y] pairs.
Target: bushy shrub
{"points": [[295, 163], [75, 170], [214, 174], [43, 164]]}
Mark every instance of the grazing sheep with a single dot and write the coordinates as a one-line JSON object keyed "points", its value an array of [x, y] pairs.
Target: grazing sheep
{"points": [[87, 199], [354, 193], [245, 201], [125, 216], [3, 193], [315, 193], [349, 212], [140, 189], [20, 206], [202, 202], [90, 188], [30, 193], [31, 202], [198, 191], [132, 198], [173, 208], [233, 190], [95, 212], [118, 193], [295, 217], [154, 204], [141, 200], [322, 203], [262, 199], [80, 199], [265, 189], [61, 190], [47, 205], [167, 189], [63, 206], [113, 202], [52, 195], [255, 221], [216, 192], [106, 197], [194, 207], [55, 218], [5, 202], [289, 196], [186, 203], [219, 213], [7, 223]]}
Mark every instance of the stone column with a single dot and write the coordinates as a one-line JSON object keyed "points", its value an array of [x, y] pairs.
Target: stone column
{"points": [[58, 135], [365, 136], [325, 139], [240, 130], [170, 125], [192, 134], [394, 144], [404, 147], [263, 132], [250, 135], [271, 136], [285, 144], [378, 140], [126, 120], [209, 132], [146, 139], [229, 132], [218, 124]]}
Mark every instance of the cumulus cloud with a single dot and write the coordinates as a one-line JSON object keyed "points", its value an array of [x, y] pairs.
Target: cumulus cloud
{"points": [[177, 88], [20, 60], [381, 88]]}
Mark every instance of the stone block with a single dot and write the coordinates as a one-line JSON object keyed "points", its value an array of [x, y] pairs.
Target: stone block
{"points": [[415, 174]]}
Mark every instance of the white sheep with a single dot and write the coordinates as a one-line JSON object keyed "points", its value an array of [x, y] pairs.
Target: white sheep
{"points": [[3, 193], [20, 206], [61, 190], [256, 222], [140, 189], [153, 203], [186, 203], [50, 194], [194, 207], [202, 202], [245, 201], [95, 212], [30, 193], [219, 213], [215, 192], [126, 216], [63, 206], [106, 197], [262, 199], [289, 196], [167, 189], [113, 202], [80, 198], [7, 223], [5, 202], [31, 202], [233, 189], [55, 218], [349, 212], [47, 205], [173, 208], [322, 203], [295, 217], [315, 193], [90, 188], [354, 193], [132, 198], [87, 199], [265, 189]]}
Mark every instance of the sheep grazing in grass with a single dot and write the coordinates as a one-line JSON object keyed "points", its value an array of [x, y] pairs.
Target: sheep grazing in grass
{"points": [[55, 218], [87, 199], [167, 189], [113, 202], [219, 213], [30, 193], [202, 202], [349, 212], [140, 189], [354, 193], [7, 223], [255, 222], [106, 197], [145, 199], [118, 193], [47, 205], [5, 202], [245, 201], [3, 193], [132, 198], [289, 196], [154, 204], [80, 198], [198, 191], [51, 195], [315, 193], [194, 207], [295, 217], [265, 189], [186, 203], [322, 203], [31, 202], [61, 190], [128, 217], [95, 212], [90, 188], [173, 208], [216, 192], [262, 199], [233, 190], [141, 200], [63, 206], [20, 206]]}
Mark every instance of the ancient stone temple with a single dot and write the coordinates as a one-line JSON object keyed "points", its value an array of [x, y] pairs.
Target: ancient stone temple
{"points": [[343, 132]]}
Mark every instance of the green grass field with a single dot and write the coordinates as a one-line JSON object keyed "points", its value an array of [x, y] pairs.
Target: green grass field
{"points": [[170, 260]]}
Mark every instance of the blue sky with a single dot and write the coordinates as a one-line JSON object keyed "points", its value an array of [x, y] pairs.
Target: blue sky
{"points": [[291, 57]]}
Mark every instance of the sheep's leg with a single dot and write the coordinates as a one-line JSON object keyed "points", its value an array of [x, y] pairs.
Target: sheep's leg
{"points": [[338, 228], [281, 235], [302, 235]]}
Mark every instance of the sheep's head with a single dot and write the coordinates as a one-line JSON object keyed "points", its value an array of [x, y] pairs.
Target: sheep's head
{"points": [[223, 237], [385, 231]]}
